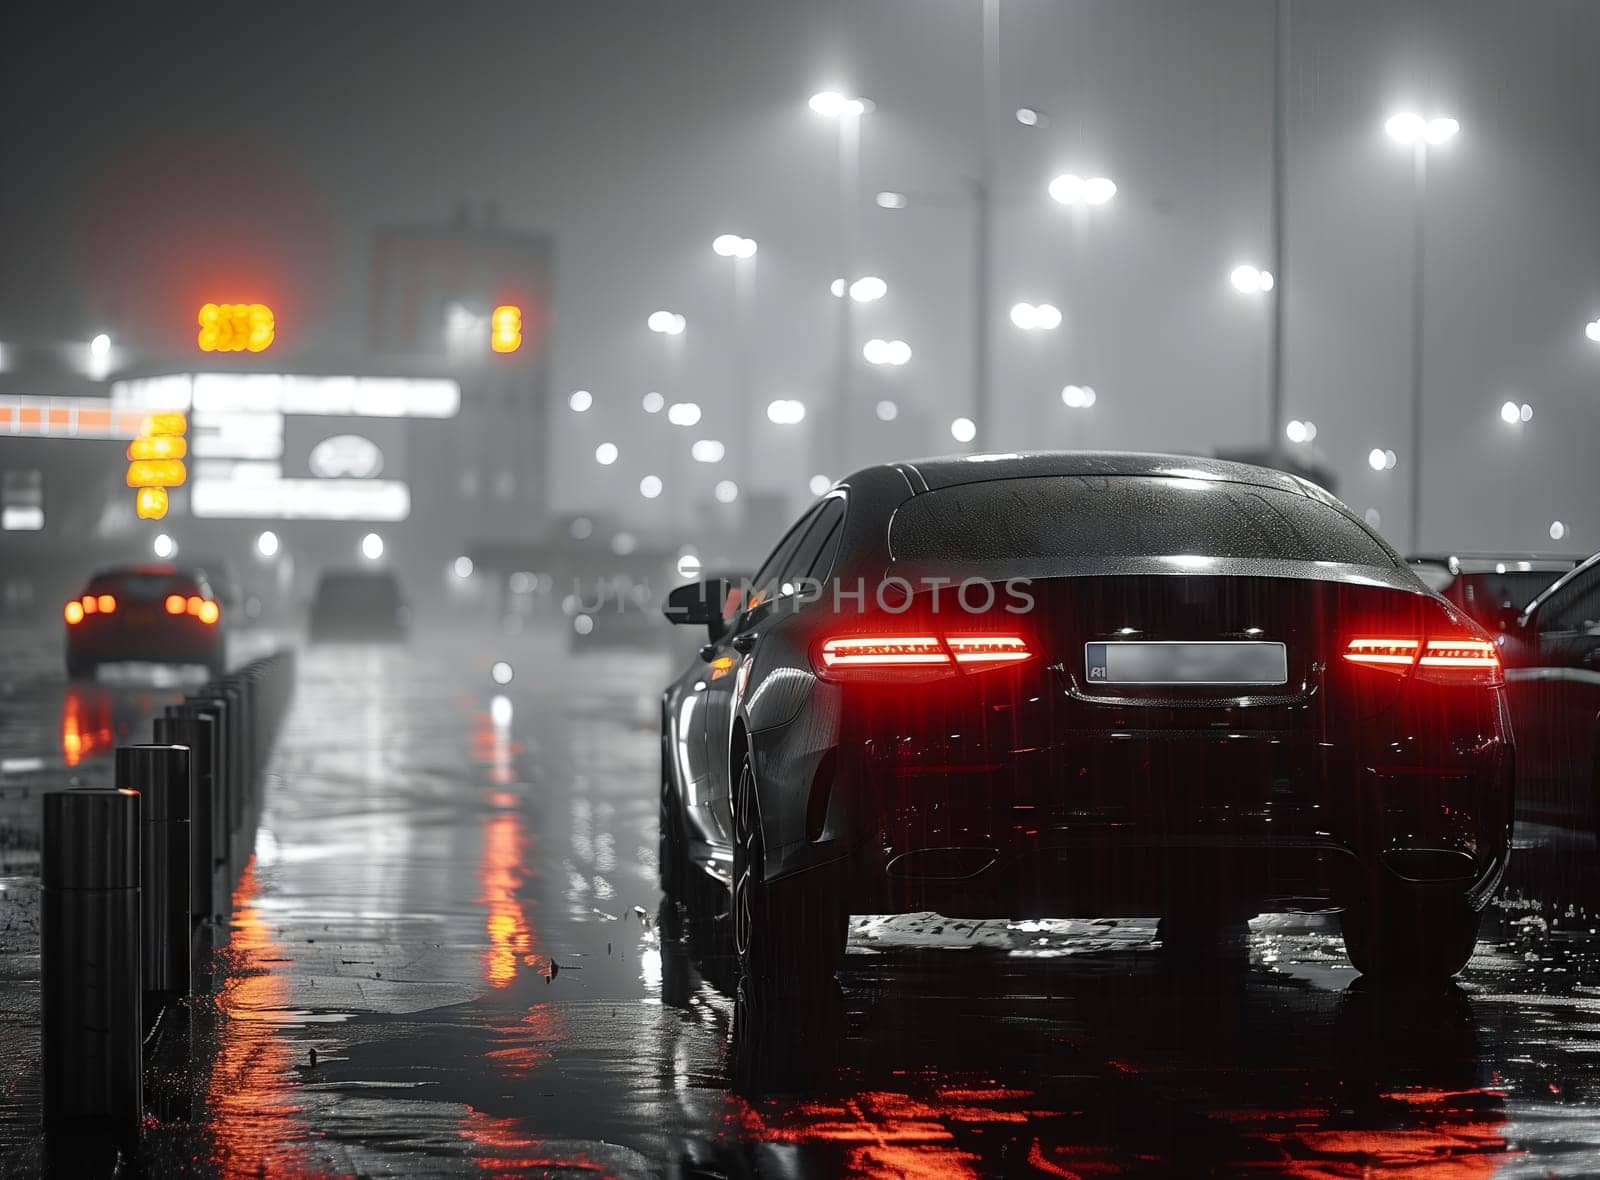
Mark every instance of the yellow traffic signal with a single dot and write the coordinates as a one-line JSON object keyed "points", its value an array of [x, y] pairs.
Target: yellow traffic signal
{"points": [[151, 503], [505, 328], [160, 446], [235, 327]]}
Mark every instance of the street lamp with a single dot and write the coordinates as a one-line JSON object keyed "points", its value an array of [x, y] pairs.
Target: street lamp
{"points": [[886, 352], [1078, 397], [372, 546], [1592, 330], [1419, 134], [1513, 414], [605, 454], [580, 400], [963, 430], [733, 246], [833, 105], [786, 411], [1250, 280], [267, 543], [667, 323], [1043, 317], [1071, 189]]}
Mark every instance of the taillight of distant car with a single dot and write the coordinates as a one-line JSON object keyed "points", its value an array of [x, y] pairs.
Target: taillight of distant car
{"points": [[89, 604], [902, 658], [1441, 661]]}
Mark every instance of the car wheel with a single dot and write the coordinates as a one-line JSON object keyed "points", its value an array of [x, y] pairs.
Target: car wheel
{"points": [[787, 936], [1404, 938]]}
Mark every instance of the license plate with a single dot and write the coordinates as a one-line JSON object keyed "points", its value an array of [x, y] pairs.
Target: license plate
{"points": [[1216, 662]]}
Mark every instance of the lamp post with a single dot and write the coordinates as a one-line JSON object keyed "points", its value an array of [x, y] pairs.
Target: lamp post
{"points": [[846, 113], [742, 252], [1419, 134]]}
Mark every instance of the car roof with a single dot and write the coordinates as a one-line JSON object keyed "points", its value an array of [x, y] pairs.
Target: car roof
{"points": [[952, 470], [1490, 563], [145, 571]]}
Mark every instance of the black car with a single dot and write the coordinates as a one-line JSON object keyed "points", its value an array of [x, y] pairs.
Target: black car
{"points": [[1552, 660], [1491, 587], [145, 614], [359, 606], [1082, 684]]}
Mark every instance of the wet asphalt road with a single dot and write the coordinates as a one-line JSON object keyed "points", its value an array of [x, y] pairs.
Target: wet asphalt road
{"points": [[452, 906]]}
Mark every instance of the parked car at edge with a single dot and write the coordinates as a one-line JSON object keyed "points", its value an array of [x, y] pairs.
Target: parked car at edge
{"points": [[1491, 587]]}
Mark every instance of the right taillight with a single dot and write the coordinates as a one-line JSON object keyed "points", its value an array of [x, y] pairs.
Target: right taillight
{"points": [[1440, 661], [903, 658]]}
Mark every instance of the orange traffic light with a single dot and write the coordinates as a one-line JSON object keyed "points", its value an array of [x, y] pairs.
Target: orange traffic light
{"points": [[167, 422], [235, 327], [505, 327], [156, 473], [151, 503], [159, 446]]}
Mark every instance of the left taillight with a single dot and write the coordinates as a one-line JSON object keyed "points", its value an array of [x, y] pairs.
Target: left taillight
{"points": [[910, 658], [74, 612], [1458, 660]]}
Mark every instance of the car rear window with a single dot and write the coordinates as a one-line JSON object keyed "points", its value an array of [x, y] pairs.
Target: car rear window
{"points": [[1124, 516], [357, 593], [143, 587]]}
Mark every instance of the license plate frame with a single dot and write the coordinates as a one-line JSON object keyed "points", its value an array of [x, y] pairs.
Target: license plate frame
{"points": [[1177, 663]]}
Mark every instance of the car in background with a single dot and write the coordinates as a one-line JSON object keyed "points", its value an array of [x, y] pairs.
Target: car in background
{"points": [[1551, 653], [1081, 684], [359, 606], [145, 614], [1491, 587]]}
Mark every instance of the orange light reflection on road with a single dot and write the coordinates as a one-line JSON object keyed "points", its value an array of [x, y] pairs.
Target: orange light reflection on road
{"points": [[85, 724], [500, 873], [251, 1088]]}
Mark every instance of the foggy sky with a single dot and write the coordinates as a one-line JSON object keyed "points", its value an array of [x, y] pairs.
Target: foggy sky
{"points": [[636, 132]]}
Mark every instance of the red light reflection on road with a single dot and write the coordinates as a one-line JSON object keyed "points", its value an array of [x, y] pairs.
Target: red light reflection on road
{"points": [[85, 723], [515, 1152], [251, 1090]]}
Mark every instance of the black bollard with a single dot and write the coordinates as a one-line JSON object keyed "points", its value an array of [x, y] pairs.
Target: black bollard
{"points": [[91, 989], [161, 776], [194, 731]]}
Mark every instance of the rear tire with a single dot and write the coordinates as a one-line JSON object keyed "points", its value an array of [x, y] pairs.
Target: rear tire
{"points": [[788, 936], [670, 856], [1401, 937]]}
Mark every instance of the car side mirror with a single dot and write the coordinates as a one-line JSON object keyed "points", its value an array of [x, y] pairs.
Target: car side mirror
{"points": [[700, 604]]}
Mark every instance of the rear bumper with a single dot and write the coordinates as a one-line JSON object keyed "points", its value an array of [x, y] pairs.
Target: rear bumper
{"points": [[181, 642], [1125, 828]]}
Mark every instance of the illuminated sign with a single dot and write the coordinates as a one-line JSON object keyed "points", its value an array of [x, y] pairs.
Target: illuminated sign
{"points": [[68, 417], [505, 328], [301, 499], [235, 327], [287, 393], [346, 455]]}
